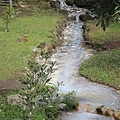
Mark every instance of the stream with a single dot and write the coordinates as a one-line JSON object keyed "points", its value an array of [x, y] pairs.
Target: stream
{"points": [[69, 58]]}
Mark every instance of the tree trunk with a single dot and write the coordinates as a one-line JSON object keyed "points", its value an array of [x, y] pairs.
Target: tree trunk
{"points": [[11, 3]]}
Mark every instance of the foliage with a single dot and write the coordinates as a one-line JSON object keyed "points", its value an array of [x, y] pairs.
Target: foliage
{"points": [[106, 11], [9, 14], [103, 67], [97, 38], [116, 14], [69, 100], [52, 112], [37, 92]]}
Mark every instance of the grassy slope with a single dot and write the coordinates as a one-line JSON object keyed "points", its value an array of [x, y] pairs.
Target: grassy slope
{"points": [[99, 36], [13, 54], [103, 67]]}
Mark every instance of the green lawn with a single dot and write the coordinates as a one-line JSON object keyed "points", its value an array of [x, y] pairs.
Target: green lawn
{"points": [[104, 66], [14, 54]]}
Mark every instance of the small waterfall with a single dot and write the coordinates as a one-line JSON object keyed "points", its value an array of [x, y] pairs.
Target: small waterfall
{"points": [[62, 4]]}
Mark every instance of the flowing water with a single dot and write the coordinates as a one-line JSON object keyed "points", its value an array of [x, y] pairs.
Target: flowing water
{"points": [[69, 57]]}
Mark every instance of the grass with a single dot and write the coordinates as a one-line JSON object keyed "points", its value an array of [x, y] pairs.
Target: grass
{"points": [[14, 54], [97, 35], [104, 66], [8, 112]]}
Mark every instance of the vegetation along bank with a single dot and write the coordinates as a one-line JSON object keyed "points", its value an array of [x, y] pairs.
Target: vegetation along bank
{"points": [[104, 66]]}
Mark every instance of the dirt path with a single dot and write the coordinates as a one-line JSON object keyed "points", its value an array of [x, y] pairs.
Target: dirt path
{"points": [[10, 84]]}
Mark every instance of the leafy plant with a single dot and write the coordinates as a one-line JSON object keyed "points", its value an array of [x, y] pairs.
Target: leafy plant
{"points": [[52, 112], [9, 14], [106, 12], [37, 93], [116, 14], [68, 99]]}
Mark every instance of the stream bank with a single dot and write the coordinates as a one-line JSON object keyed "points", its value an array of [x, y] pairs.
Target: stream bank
{"points": [[69, 57]]}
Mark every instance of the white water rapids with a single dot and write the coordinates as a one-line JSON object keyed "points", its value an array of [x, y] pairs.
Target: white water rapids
{"points": [[69, 57]]}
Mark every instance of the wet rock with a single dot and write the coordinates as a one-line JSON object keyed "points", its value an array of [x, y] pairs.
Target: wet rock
{"points": [[16, 100], [90, 109], [85, 17], [101, 110], [63, 106], [116, 115], [64, 51], [65, 43], [109, 112], [73, 47], [72, 18]]}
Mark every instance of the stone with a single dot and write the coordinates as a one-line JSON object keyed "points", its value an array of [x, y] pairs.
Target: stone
{"points": [[23, 39], [72, 18], [64, 50], [85, 17], [65, 43], [101, 110], [109, 112], [63, 106], [116, 115], [90, 108], [16, 100], [73, 47]]}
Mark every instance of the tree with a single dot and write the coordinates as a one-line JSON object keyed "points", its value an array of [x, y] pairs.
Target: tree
{"points": [[10, 3], [9, 14]]}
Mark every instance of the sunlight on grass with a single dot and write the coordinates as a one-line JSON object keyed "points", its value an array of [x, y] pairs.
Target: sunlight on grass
{"points": [[14, 54]]}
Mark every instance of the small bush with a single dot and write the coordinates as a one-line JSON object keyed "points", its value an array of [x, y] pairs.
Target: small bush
{"points": [[69, 100]]}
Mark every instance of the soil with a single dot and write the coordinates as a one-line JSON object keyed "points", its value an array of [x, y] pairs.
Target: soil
{"points": [[110, 45], [10, 84]]}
